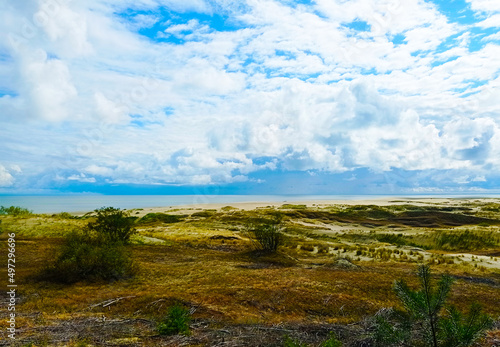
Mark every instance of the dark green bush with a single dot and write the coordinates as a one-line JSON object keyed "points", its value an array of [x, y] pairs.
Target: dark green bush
{"points": [[267, 234], [460, 330], [289, 342], [112, 225], [85, 258], [332, 341], [96, 253], [176, 321]]}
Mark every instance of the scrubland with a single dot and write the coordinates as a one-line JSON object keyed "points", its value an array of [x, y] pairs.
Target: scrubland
{"points": [[333, 273]]}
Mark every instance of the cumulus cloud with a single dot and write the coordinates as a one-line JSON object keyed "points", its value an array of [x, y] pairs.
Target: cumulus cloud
{"points": [[487, 6], [6, 179], [47, 86], [207, 92]]}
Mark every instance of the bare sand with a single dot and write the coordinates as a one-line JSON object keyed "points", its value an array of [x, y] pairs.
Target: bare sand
{"points": [[385, 201]]}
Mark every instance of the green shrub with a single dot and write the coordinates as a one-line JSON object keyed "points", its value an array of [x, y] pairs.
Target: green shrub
{"points": [[83, 257], [112, 225], [15, 211], [422, 322], [96, 253], [391, 327], [289, 342], [460, 330], [176, 321], [332, 341], [267, 234]]}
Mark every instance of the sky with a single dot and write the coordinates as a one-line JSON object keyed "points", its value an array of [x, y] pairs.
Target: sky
{"points": [[250, 96]]}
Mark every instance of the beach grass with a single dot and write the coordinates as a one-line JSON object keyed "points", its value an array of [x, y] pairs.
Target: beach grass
{"points": [[334, 271]]}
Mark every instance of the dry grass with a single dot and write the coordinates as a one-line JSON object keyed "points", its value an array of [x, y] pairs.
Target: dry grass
{"points": [[237, 295]]}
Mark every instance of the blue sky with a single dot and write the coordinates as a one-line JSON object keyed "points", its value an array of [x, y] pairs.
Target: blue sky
{"points": [[250, 97]]}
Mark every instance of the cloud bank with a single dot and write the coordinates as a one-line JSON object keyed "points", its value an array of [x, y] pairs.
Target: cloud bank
{"points": [[200, 93]]}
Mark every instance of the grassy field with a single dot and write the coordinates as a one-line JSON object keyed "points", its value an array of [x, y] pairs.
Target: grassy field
{"points": [[333, 273]]}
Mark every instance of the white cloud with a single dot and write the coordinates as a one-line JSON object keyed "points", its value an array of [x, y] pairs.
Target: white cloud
{"points": [[98, 170], [199, 6], [487, 6], [179, 28], [45, 86], [469, 140], [81, 178], [200, 76], [65, 28], [490, 22], [108, 110], [141, 21], [293, 85], [492, 37], [6, 179]]}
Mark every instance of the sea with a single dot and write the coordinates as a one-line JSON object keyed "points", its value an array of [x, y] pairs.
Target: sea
{"points": [[86, 203]]}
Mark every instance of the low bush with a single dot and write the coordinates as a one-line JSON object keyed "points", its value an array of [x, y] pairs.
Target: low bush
{"points": [[176, 321], [112, 225], [332, 341], [86, 258], [267, 234], [289, 342], [15, 211]]}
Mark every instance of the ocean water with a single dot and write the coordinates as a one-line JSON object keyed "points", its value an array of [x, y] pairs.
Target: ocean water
{"points": [[86, 203]]}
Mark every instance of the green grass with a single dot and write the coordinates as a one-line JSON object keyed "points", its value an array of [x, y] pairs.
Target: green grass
{"points": [[465, 240], [152, 218], [293, 207]]}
